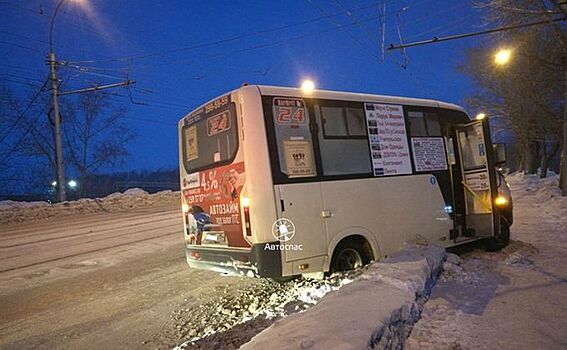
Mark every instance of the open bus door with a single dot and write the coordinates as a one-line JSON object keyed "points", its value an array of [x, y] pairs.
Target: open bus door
{"points": [[477, 181]]}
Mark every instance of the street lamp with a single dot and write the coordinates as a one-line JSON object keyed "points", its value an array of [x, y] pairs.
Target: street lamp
{"points": [[61, 192], [480, 116], [308, 86], [503, 56]]}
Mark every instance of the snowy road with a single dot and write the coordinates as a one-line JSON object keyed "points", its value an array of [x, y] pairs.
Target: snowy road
{"points": [[513, 299], [119, 281], [108, 280]]}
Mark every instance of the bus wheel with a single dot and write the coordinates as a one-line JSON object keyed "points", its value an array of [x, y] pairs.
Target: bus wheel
{"points": [[494, 244], [350, 255], [283, 280]]}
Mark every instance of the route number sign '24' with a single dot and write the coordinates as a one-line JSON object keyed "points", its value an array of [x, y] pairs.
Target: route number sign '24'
{"points": [[289, 111]]}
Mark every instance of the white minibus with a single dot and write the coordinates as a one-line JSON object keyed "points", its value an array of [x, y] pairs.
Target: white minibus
{"points": [[280, 182]]}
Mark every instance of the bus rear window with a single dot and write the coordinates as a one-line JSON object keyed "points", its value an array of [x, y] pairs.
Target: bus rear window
{"points": [[210, 136]]}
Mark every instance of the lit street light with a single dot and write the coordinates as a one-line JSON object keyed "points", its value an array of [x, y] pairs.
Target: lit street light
{"points": [[503, 56], [308, 86], [480, 116], [73, 184]]}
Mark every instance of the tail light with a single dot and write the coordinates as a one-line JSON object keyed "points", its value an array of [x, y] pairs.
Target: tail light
{"points": [[246, 207]]}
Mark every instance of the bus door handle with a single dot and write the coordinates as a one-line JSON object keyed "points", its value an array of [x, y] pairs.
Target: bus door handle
{"points": [[326, 214]]}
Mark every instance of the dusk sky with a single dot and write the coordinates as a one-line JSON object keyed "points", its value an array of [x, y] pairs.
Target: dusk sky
{"points": [[183, 53]]}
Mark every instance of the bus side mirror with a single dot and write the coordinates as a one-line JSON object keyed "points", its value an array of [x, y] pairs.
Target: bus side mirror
{"points": [[499, 153]]}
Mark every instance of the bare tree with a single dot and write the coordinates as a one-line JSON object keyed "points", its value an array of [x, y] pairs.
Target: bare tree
{"points": [[17, 123], [529, 90], [95, 135]]}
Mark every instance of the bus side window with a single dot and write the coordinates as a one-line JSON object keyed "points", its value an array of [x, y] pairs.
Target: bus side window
{"points": [[342, 140], [424, 124]]}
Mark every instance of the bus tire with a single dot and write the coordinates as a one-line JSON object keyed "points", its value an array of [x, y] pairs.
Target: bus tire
{"points": [[351, 254], [494, 244], [282, 280]]}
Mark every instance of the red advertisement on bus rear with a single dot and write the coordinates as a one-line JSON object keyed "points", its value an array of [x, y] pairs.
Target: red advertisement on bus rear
{"points": [[216, 192]]}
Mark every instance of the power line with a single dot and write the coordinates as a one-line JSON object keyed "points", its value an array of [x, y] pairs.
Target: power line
{"points": [[459, 22], [26, 132], [257, 47], [22, 46], [21, 116], [26, 83], [222, 41], [370, 35], [47, 17], [468, 35], [339, 26], [22, 77]]}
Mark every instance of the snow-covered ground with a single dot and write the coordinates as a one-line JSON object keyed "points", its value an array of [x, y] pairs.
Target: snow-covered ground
{"points": [[228, 321], [512, 299], [12, 212]]}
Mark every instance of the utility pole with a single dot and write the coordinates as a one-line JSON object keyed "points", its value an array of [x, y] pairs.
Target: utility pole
{"points": [[563, 162], [61, 191]]}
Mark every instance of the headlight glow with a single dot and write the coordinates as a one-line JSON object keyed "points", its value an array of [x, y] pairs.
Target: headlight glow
{"points": [[500, 201]]}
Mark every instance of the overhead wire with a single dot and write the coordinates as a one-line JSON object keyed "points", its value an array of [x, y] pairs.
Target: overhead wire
{"points": [[252, 48], [32, 124], [339, 26], [351, 17], [23, 113], [221, 41]]}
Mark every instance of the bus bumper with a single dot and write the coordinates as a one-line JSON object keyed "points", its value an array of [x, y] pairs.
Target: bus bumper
{"points": [[257, 261]]}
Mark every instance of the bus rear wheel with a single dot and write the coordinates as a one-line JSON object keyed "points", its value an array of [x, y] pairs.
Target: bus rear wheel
{"points": [[350, 255]]}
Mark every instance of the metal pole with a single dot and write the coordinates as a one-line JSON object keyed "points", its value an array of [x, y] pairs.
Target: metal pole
{"points": [[563, 169], [61, 192]]}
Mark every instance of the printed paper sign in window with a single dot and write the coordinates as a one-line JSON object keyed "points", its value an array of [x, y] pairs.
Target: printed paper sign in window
{"points": [[298, 158], [429, 153], [191, 145], [388, 139]]}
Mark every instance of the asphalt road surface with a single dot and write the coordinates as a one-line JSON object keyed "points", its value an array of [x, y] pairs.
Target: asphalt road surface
{"points": [[98, 281]]}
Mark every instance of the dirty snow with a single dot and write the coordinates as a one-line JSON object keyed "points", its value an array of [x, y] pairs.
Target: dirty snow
{"points": [[231, 317], [512, 299], [12, 212]]}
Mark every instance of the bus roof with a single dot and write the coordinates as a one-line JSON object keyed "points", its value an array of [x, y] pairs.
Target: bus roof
{"points": [[354, 96], [341, 95]]}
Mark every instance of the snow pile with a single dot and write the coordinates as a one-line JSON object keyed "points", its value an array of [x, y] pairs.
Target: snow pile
{"points": [[230, 318], [376, 311], [13, 204], [544, 193], [15, 212]]}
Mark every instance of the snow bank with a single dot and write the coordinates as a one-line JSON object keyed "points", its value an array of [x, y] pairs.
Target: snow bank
{"points": [[376, 311], [237, 315], [14, 212], [543, 195]]}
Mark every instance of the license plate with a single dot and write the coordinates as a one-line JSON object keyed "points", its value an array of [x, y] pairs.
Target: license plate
{"points": [[212, 238]]}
